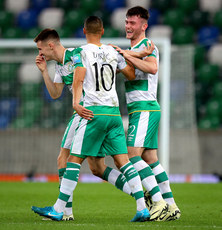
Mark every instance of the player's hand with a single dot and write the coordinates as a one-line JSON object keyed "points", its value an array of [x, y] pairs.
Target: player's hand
{"points": [[41, 63], [83, 112], [118, 49], [147, 49]]}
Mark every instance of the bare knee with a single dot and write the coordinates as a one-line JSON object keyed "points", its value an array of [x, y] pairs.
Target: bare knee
{"points": [[62, 158], [150, 156]]}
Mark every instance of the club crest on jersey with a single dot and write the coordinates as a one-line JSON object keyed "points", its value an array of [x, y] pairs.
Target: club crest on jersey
{"points": [[70, 66], [76, 59]]}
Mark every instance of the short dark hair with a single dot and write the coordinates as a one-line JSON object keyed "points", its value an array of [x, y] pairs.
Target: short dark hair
{"points": [[47, 34], [138, 11], [93, 24]]}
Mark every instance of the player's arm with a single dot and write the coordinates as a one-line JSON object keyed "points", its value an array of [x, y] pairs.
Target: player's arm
{"points": [[147, 65], [147, 50], [129, 71], [77, 88], [54, 89]]}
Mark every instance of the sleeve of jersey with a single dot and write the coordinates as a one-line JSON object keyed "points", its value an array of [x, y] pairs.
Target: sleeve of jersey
{"points": [[57, 78], [77, 59], [121, 61], [153, 54]]}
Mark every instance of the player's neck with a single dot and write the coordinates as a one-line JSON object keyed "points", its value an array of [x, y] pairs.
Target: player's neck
{"points": [[133, 42], [60, 54], [94, 39]]}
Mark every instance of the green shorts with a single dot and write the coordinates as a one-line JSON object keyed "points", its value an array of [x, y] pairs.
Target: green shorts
{"points": [[143, 129], [103, 135]]}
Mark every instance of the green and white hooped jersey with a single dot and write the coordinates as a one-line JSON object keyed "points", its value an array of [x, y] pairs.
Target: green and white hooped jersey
{"points": [[141, 93], [99, 84], [64, 71]]}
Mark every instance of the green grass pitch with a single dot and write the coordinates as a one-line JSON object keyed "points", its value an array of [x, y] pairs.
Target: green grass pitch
{"points": [[101, 206]]}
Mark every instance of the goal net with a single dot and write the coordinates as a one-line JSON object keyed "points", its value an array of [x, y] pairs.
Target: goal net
{"points": [[32, 124]]}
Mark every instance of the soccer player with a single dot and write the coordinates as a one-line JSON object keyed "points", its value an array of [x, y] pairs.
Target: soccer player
{"points": [[100, 131], [144, 115], [50, 48]]}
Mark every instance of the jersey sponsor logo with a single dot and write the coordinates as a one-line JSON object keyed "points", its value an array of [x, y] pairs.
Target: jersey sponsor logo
{"points": [[76, 59], [154, 52]]}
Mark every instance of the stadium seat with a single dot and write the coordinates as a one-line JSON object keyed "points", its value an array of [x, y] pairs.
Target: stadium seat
{"points": [[174, 18], [199, 56], [4, 121], [209, 123], [8, 89], [183, 35], [208, 74], [211, 6], [23, 122], [111, 5], [74, 19], [154, 17], [187, 6], [8, 107], [160, 31], [29, 91], [29, 73], [217, 90], [6, 19], [51, 18], [65, 32], [199, 19], [214, 54], [40, 4], [33, 32], [32, 108], [8, 72], [111, 32], [89, 6], [118, 19], [79, 33], [12, 32], [213, 111], [65, 4], [105, 16], [16, 6], [144, 3], [162, 5], [27, 19], [218, 19], [208, 35]]}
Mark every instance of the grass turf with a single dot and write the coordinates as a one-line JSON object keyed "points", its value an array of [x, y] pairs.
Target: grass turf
{"points": [[101, 206]]}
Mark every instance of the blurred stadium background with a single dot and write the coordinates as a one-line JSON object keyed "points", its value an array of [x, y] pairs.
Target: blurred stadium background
{"points": [[32, 124]]}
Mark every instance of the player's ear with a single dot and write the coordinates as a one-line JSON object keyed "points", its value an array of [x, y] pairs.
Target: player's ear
{"points": [[51, 45], [102, 31], [84, 30], [145, 26]]}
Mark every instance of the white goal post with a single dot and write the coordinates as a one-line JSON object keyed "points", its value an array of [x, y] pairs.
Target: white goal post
{"points": [[164, 45]]}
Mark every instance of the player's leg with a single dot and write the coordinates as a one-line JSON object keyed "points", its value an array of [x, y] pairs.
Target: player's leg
{"points": [[113, 176], [68, 184], [142, 128], [122, 162], [61, 163], [163, 181], [62, 159]]}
